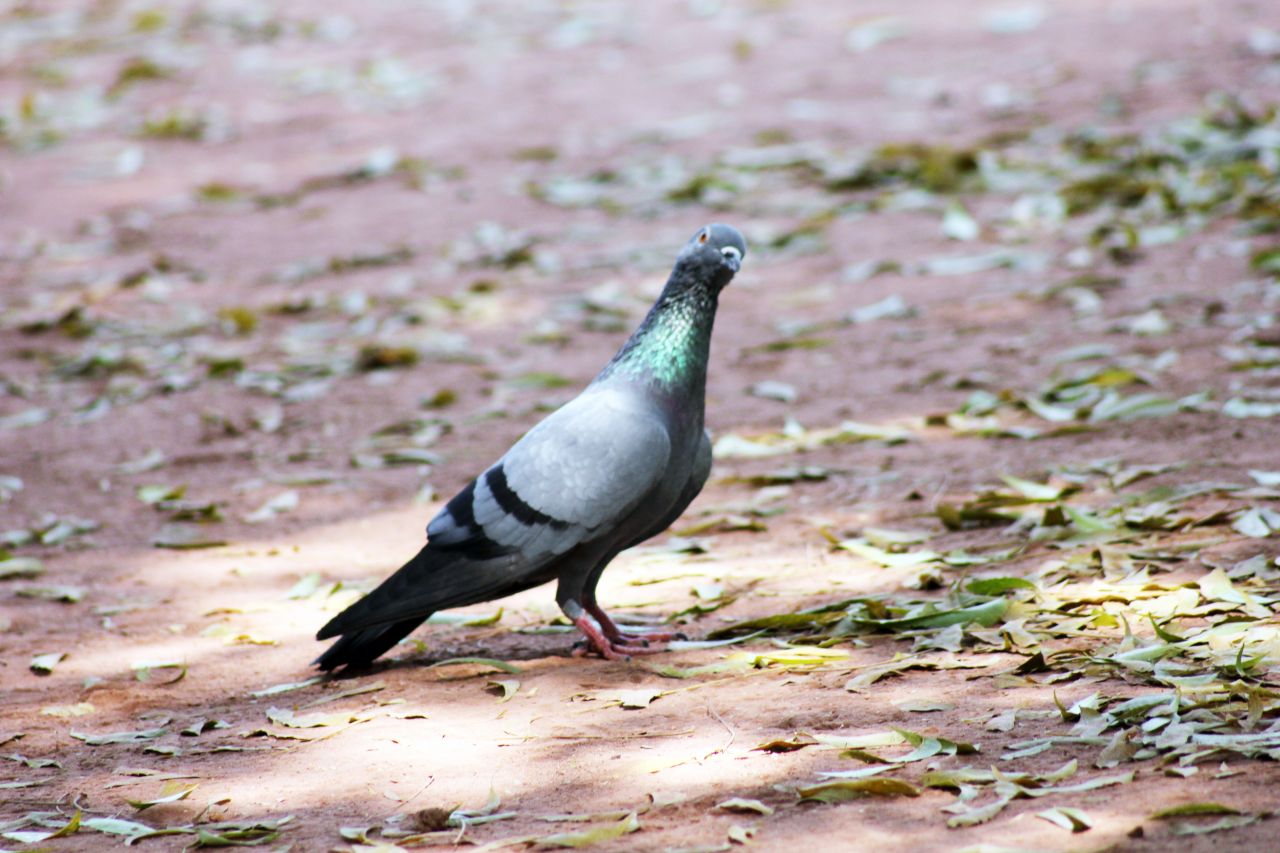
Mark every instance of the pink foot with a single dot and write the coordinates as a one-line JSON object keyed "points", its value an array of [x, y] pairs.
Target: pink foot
{"points": [[610, 649], [635, 637]]}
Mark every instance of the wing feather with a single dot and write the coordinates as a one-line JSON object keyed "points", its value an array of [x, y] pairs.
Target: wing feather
{"points": [[575, 475]]}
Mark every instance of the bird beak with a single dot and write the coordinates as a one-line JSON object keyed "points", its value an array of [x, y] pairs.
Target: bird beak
{"points": [[733, 262]]}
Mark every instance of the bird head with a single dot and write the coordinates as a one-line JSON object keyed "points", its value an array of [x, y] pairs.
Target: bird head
{"points": [[714, 254]]}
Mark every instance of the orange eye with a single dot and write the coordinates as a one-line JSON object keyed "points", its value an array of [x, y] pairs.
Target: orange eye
{"points": [[702, 238]]}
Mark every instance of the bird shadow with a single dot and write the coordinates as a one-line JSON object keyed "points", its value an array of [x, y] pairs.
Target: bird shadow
{"points": [[506, 647]]}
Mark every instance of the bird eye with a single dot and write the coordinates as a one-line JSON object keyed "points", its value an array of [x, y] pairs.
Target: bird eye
{"points": [[702, 238], [731, 252]]}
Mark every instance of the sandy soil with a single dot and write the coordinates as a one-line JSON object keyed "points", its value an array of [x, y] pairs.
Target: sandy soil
{"points": [[220, 222]]}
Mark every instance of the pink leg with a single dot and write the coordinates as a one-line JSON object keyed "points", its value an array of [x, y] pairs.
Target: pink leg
{"points": [[645, 639], [608, 648]]}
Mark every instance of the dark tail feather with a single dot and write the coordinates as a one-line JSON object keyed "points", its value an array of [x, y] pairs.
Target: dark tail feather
{"points": [[372, 625], [435, 579], [362, 647], [408, 594]]}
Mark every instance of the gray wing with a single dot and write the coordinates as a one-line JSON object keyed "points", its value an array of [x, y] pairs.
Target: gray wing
{"points": [[570, 479], [697, 479]]}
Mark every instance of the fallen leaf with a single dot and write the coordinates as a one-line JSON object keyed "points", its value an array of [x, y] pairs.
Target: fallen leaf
{"points": [[739, 804], [839, 790], [172, 792], [44, 664], [588, 837]]}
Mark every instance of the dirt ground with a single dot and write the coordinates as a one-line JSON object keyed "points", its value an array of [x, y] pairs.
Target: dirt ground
{"points": [[276, 281]]}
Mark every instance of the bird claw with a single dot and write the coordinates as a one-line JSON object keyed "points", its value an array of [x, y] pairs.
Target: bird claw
{"points": [[611, 648], [634, 635]]}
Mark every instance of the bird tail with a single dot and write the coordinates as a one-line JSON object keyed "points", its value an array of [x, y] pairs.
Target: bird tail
{"points": [[360, 648], [435, 579], [375, 623]]}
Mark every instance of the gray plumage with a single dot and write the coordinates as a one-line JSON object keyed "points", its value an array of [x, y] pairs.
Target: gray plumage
{"points": [[611, 468]]}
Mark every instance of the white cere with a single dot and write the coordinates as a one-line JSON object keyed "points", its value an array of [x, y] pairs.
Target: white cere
{"points": [[731, 252]]}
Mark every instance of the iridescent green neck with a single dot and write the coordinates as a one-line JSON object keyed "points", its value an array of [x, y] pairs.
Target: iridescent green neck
{"points": [[672, 345]]}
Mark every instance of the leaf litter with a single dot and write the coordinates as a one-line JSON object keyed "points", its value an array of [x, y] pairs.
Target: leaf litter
{"points": [[1100, 589]]}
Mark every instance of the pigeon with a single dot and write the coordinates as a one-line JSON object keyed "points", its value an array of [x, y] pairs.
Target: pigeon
{"points": [[611, 468]]}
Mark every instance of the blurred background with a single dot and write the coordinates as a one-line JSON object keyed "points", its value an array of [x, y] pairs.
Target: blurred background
{"points": [[276, 277], [213, 210]]}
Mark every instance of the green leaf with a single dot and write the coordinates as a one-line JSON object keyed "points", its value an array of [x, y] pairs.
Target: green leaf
{"points": [[985, 614], [149, 461], [499, 665], [1034, 491], [796, 742], [1117, 407], [876, 765], [79, 709], [1228, 822], [305, 587], [154, 494], [1194, 810], [185, 537], [383, 356], [120, 737], [287, 718], [778, 623], [234, 838], [13, 568], [956, 779], [997, 586], [739, 804], [116, 826], [506, 689], [980, 815], [892, 307], [731, 446], [71, 827], [1217, 586], [634, 699], [277, 505], [1266, 261], [1067, 818], [172, 792], [958, 224], [885, 558], [891, 540], [64, 594], [892, 738], [203, 725], [1162, 633], [1086, 522], [1257, 523], [286, 687], [232, 833], [920, 706], [1238, 407], [791, 656], [588, 837], [840, 790], [358, 690], [927, 747], [142, 670]]}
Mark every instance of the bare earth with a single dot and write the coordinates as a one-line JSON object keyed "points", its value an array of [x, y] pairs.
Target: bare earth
{"points": [[239, 239]]}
